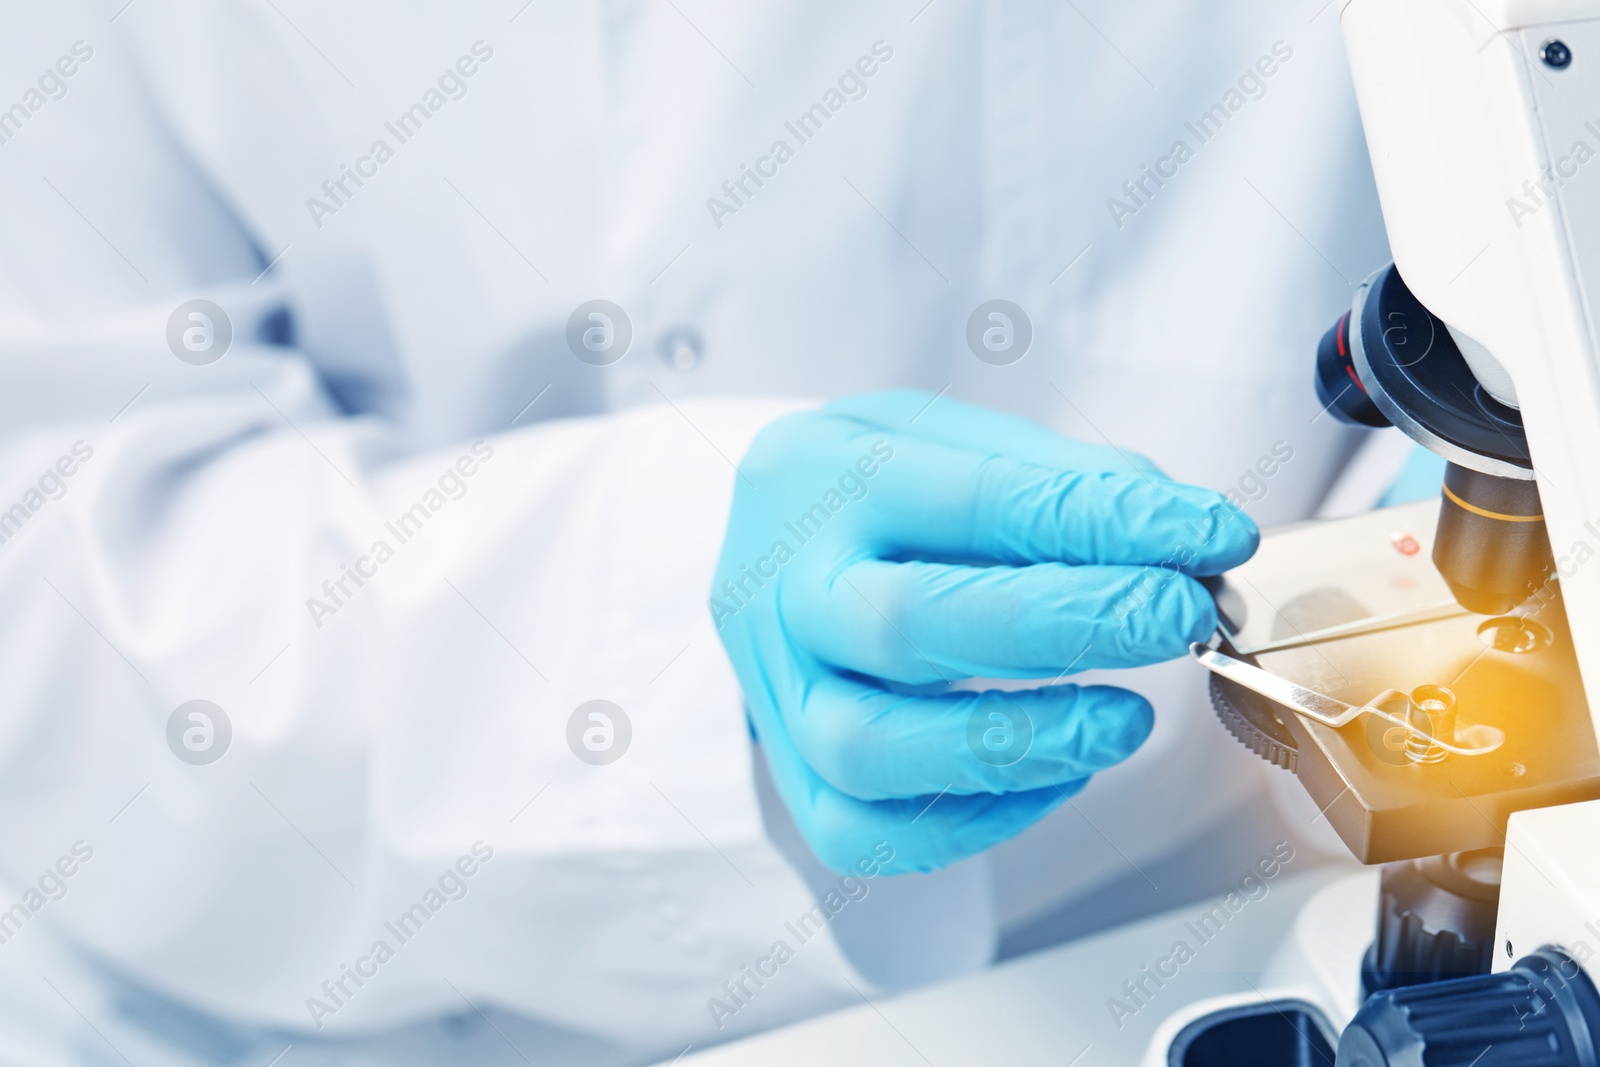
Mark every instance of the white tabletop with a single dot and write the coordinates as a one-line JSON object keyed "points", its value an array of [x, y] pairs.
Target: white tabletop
{"points": [[1049, 1008]]}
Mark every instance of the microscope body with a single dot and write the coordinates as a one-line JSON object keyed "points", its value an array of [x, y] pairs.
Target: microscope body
{"points": [[1482, 343], [1482, 120]]}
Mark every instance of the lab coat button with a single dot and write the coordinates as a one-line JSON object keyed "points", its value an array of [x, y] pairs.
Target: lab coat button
{"points": [[681, 348]]}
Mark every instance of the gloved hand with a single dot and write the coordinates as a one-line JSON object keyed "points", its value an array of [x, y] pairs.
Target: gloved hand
{"points": [[875, 555]]}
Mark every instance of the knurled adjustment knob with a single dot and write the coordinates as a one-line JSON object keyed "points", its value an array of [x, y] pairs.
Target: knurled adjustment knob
{"points": [[1543, 1012], [1251, 719], [1436, 919]]}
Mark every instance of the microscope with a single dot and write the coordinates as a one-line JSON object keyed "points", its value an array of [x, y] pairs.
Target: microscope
{"points": [[1431, 673]]}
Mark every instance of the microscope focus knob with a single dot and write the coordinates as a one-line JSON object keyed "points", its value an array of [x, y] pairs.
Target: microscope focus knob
{"points": [[1436, 919], [1543, 1012]]}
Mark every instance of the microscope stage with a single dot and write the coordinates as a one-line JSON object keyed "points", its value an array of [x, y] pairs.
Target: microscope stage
{"points": [[1351, 608]]}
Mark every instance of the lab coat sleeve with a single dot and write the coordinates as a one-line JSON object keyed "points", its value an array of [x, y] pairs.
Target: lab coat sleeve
{"points": [[393, 645], [401, 821]]}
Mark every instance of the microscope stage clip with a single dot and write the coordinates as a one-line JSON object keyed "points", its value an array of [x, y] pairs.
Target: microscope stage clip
{"points": [[1321, 708]]}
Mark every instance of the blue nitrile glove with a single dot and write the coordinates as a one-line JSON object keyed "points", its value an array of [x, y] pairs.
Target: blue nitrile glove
{"points": [[890, 544]]}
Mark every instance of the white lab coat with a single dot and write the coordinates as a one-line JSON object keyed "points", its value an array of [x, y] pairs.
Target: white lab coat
{"points": [[375, 744]]}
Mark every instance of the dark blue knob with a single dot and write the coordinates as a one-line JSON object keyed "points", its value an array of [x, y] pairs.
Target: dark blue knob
{"points": [[1543, 1012]]}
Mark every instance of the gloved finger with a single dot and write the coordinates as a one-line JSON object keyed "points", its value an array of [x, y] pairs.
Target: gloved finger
{"points": [[929, 499], [874, 744], [926, 622], [939, 418], [926, 833]]}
